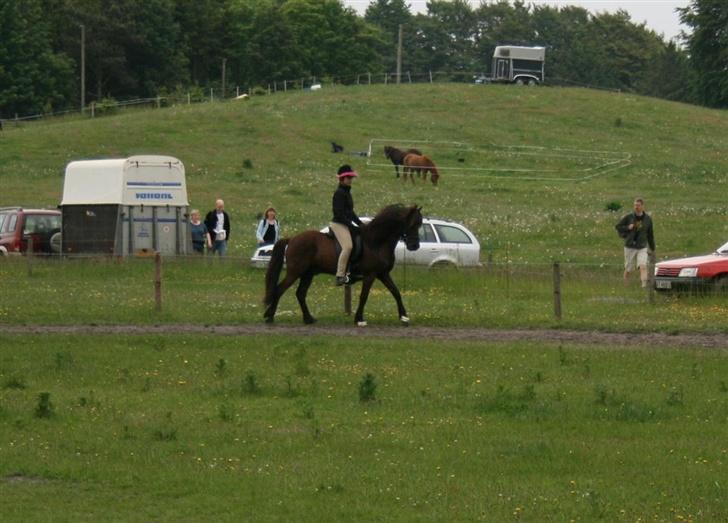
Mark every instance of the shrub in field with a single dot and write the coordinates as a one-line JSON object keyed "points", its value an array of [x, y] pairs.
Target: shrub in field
{"points": [[225, 412], [507, 401], [45, 408], [63, 360], [221, 368], [613, 206], [301, 363], [675, 397], [249, 385], [368, 388]]}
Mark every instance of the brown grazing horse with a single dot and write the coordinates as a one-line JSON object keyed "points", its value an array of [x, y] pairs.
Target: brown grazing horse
{"points": [[311, 252], [414, 163], [397, 157]]}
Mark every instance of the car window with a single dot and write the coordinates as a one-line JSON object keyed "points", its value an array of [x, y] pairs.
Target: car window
{"points": [[41, 223], [13, 221], [723, 249], [450, 234], [2, 220], [427, 234]]}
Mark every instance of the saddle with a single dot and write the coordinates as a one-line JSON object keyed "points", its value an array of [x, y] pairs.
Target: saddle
{"points": [[356, 251]]}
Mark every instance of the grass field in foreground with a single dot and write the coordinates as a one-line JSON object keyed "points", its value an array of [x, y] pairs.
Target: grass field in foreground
{"points": [[261, 428], [209, 292]]}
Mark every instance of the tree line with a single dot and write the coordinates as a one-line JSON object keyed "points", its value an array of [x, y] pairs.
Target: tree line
{"points": [[143, 48]]}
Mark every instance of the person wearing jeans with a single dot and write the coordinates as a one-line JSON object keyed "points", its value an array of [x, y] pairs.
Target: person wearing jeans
{"points": [[217, 222]]}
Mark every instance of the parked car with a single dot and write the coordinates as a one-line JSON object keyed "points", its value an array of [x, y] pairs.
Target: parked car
{"points": [[709, 272], [18, 226], [442, 243]]}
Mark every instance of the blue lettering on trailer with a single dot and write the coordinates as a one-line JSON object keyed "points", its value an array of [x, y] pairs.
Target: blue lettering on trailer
{"points": [[153, 196]]}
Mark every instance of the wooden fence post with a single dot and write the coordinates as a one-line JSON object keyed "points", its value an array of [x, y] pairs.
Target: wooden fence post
{"points": [[557, 291], [347, 299], [158, 281]]}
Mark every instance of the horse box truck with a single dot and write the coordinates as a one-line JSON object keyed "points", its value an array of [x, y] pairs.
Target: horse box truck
{"points": [[129, 206], [518, 65]]}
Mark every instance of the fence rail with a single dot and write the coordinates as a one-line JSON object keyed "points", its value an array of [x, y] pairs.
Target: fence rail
{"points": [[205, 290], [213, 94]]}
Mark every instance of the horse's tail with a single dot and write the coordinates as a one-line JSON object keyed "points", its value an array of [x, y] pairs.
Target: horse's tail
{"points": [[274, 270]]}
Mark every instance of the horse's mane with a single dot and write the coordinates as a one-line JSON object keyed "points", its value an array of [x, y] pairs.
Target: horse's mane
{"points": [[380, 228]]}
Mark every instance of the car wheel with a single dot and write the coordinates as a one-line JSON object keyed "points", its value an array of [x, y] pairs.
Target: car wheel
{"points": [[3, 252], [720, 286]]}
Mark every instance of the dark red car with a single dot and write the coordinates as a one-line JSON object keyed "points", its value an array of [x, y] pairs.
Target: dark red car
{"points": [[709, 272], [19, 226]]}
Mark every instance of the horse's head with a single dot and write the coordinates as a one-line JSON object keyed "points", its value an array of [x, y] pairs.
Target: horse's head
{"points": [[388, 152], [412, 226]]}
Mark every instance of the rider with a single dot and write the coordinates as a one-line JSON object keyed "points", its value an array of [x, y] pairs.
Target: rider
{"points": [[343, 220]]}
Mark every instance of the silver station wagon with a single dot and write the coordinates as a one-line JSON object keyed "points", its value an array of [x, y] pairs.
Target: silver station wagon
{"points": [[442, 243]]}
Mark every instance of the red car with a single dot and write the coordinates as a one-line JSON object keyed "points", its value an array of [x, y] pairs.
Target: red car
{"points": [[709, 272], [18, 226]]}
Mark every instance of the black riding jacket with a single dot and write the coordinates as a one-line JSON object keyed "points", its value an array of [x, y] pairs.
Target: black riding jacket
{"points": [[343, 206], [641, 235]]}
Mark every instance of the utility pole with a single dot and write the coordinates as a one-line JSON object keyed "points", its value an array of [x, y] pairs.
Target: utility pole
{"points": [[83, 68], [399, 54], [224, 64]]}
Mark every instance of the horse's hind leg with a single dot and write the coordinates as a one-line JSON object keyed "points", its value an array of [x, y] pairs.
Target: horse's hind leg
{"points": [[283, 286], [301, 292]]}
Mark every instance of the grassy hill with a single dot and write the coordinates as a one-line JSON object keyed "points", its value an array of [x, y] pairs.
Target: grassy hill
{"points": [[275, 150]]}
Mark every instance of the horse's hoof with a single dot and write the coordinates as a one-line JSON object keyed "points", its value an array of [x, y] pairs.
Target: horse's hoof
{"points": [[361, 324], [269, 319], [309, 321], [405, 320]]}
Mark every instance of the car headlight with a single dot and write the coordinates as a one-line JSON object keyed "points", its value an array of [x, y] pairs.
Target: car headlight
{"points": [[688, 272]]}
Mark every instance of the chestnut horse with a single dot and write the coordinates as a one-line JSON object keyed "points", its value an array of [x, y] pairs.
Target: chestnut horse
{"points": [[311, 252], [414, 163], [397, 157]]}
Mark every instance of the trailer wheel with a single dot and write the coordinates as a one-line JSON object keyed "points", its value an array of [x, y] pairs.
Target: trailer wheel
{"points": [[532, 82], [519, 81]]}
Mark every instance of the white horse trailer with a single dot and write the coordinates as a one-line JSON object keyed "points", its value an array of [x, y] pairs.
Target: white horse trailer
{"points": [[122, 207], [519, 65]]}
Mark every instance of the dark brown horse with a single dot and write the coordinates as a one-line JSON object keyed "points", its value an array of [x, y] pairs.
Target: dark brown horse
{"points": [[397, 157], [311, 252], [414, 163]]}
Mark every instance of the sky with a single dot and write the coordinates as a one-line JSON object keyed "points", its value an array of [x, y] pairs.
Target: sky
{"points": [[658, 15]]}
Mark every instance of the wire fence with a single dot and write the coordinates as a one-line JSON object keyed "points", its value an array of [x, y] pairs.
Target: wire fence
{"points": [[227, 290], [197, 94]]}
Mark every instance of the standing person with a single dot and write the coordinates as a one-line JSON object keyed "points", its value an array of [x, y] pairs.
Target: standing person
{"points": [[200, 235], [269, 229], [218, 226], [636, 229], [343, 220]]}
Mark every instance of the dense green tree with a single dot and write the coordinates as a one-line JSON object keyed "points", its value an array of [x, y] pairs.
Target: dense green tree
{"points": [[33, 77], [707, 44], [388, 15]]}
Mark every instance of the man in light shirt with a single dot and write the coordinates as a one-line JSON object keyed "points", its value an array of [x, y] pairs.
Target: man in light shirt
{"points": [[218, 225]]}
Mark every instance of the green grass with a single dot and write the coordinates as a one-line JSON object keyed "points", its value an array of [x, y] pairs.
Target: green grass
{"points": [[170, 427], [677, 164]]}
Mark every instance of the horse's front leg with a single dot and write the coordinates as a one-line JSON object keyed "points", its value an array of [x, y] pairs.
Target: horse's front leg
{"points": [[365, 288], [396, 169], [386, 279]]}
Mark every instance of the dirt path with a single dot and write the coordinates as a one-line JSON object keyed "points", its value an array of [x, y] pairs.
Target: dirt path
{"points": [[613, 339]]}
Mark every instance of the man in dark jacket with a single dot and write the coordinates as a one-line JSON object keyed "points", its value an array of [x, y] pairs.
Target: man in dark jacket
{"points": [[639, 241], [217, 222], [344, 218]]}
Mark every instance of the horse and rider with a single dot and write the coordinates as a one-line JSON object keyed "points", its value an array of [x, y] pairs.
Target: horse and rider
{"points": [[311, 252]]}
